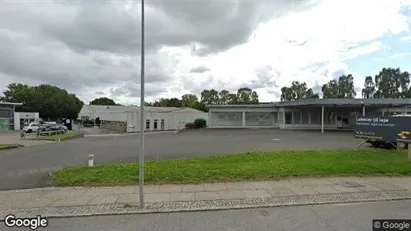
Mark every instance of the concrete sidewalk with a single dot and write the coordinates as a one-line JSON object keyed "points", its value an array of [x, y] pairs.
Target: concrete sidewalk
{"points": [[81, 201]]}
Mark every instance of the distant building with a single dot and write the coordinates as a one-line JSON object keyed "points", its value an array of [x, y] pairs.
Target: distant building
{"points": [[7, 116], [321, 114], [126, 119], [25, 117]]}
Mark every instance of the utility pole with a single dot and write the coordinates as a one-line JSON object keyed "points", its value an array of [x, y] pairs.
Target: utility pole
{"points": [[141, 156]]}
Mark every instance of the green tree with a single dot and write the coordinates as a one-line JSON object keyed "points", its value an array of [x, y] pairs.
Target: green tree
{"points": [[311, 95], [369, 88], [343, 88], [297, 91], [103, 101], [164, 102], [190, 100], [233, 99], [210, 97], [224, 97], [392, 83], [50, 101], [247, 96]]}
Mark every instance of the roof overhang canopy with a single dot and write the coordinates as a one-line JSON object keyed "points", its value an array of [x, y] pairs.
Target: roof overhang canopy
{"points": [[7, 103], [324, 102]]}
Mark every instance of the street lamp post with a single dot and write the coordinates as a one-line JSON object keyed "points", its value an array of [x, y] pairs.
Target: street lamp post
{"points": [[141, 156]]}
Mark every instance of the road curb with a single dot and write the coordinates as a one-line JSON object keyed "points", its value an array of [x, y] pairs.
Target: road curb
{"points": [[210, 205], [12, 146]]}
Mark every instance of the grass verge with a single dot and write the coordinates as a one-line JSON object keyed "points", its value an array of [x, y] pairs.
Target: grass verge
{"points": [[66, 136], [249, 166], [9, 146]]}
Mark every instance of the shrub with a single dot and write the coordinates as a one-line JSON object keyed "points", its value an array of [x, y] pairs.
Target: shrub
{"points": [[190, 126], [200, 123]]}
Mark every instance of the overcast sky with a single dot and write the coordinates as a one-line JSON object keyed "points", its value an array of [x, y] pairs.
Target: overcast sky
{"points": [[91, 48]]}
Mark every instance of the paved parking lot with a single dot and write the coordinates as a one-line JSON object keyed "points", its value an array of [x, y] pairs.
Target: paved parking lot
{"points": [[29, 166]]}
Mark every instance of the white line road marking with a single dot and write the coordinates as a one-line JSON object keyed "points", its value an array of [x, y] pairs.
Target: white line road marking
{"points": [[276, 139]]}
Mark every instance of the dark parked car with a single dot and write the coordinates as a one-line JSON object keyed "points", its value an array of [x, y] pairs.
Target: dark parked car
{"points": [[52, 128]]}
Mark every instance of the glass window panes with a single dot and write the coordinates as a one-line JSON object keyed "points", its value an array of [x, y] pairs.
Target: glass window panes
{"points": [[297, 117], [305, 117], [227, 119], [288, 117], [315, 117], [259, 119]]}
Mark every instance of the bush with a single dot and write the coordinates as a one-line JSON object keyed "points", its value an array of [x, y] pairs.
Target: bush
{"points": [[200, 123], [190, 126]]}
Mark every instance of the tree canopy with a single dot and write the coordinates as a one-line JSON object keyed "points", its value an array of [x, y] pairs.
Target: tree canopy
{"points": [[103, 101], [392, 83], [297, 91], [209, 96], [50, 101], [341, 88]]}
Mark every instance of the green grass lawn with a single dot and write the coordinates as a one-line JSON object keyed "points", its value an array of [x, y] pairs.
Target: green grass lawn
{"points": [[3, 146], [66, 136], [250, 166]]}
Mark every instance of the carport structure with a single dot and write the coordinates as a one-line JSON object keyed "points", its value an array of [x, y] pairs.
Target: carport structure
{"points": [[317, 114]]}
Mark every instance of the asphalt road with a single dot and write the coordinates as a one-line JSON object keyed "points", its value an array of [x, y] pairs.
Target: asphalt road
{"points": [[340, 217], [29, 167]]}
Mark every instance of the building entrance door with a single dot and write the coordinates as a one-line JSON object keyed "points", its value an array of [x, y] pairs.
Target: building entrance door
{"points": [[162, 124]]}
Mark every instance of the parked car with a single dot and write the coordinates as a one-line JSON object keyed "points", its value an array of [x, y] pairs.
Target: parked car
{"points": [[386, 144], [31, 127], [52, 127]]}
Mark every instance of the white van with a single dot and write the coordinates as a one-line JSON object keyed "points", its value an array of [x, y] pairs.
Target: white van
{"points": [[32, 127]]}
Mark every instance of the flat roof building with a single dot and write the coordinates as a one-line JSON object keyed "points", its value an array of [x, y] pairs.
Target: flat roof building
{"points": [[321, 114], [7, 111]]}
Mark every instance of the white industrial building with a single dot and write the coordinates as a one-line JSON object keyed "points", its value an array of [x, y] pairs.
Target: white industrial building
{"points": [[321, 114], [126, 119], [21, 118]]}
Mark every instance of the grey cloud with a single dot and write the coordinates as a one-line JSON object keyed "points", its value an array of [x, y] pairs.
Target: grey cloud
{"points": [[317, 87], [65, 68], [275, 92], [85, 46], [199, 51], [100, 93], [133, 90], [110, 26], [338, 73], [200, 69], [265, 78]]}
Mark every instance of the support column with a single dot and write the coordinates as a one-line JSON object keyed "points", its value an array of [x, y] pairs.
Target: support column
{"points": [[209, 118], [322, 119], [243, 118], [309, 117], [363, 110], [405, 110], [278, 118]]}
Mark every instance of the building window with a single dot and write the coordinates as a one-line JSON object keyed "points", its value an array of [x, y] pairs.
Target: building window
{"points": [[155, 124], [259, 119], [297, 117], [329, 118], [288, 117], [147, 124], [315, 117], [305, 117]]}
